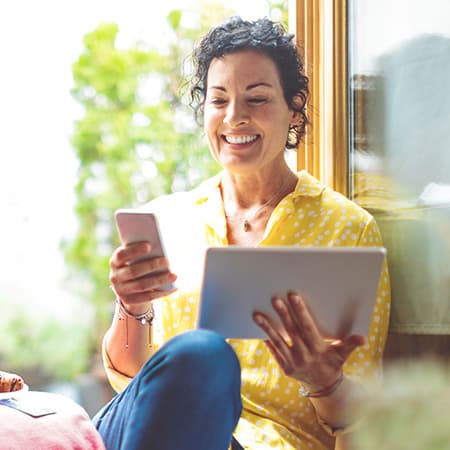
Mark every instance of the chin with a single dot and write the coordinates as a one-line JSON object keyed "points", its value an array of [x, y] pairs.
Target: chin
{"points": [[239, 166]]}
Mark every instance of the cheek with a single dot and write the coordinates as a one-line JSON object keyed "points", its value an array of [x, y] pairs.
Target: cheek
{"points": [[210, 136], [210, 124], [207, 129]]}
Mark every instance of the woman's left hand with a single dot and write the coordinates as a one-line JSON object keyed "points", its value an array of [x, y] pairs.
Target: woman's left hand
{"points": [[302, 351]]}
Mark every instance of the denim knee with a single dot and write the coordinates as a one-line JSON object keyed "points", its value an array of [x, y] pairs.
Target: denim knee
{"points": [[199, 358]]}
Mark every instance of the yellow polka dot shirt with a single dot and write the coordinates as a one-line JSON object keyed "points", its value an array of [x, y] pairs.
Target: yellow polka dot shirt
{"points": [[274, 415]]}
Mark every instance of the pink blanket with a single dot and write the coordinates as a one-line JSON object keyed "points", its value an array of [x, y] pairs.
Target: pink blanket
{"points": [[69, 428]]}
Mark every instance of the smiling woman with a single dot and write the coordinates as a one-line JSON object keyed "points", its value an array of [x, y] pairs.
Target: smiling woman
{"points": [[192, 389]]}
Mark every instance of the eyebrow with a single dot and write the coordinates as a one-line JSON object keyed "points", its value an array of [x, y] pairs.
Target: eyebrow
{"points": [[248, 88]]}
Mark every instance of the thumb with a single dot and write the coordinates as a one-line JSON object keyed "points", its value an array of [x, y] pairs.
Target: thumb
{"points": [[349, 344]]}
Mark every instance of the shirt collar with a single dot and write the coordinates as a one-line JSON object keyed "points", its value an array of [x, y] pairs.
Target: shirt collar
{"points": [[307, 186]]}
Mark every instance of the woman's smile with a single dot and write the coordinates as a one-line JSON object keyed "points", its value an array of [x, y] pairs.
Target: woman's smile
{"points": [[231, 139]]}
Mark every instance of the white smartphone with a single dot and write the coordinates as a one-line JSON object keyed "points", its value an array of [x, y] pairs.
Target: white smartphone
{"points": [[136, 226]]}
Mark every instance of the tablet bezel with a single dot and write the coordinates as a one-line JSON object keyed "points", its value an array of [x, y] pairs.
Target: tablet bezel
{"points": [[339, 285]]}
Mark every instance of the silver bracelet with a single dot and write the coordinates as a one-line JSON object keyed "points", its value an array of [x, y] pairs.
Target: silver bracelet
{"points": [[144, 318]]}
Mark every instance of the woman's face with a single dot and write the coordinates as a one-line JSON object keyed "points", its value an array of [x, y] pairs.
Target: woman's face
{"points": [[246, 117]]}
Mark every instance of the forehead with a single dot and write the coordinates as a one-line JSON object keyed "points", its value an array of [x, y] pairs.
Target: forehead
{"points": [[246, 66]]}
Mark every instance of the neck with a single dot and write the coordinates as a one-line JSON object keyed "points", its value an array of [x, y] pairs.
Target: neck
{"points": [[248, 203], [249, 191]]}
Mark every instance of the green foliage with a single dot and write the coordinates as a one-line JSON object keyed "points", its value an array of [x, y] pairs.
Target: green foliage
{"points": [[59, 349], [131, 147], [278, 10], [174, 19], [136, 140]]}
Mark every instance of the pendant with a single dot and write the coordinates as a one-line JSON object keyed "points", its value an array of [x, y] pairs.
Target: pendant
{"points": [[246, 225]]}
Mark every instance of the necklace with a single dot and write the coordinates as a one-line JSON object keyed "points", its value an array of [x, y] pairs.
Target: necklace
{"points": [[248, 220]]}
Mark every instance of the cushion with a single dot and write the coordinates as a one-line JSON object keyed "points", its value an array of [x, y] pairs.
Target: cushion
{"points": [[70, 428]]}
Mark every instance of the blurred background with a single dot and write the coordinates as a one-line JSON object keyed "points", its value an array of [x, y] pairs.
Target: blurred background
{"points": [[93, 117]]}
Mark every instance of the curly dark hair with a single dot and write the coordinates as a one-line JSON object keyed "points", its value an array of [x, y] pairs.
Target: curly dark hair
{"points": [[262, 35]]}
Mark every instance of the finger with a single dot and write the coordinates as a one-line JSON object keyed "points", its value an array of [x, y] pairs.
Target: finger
{"points": [[139, 269], [126, 254], [130, 296], [144, 297], [277, 356], [284, 312], [345, 347], [147, 283], [311, 335], [278, 343]]}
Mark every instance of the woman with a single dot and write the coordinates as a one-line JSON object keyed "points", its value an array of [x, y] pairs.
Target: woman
{"points": [[183, 389]]}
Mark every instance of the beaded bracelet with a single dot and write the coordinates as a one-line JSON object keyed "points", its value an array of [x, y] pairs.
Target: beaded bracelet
{"points": [[325, 392], [145, 318]]}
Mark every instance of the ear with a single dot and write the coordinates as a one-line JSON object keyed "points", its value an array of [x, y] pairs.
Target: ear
{"points": [[298, 102]]}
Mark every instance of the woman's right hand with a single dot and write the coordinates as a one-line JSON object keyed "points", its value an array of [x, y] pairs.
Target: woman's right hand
{"points": [[137, 279]]}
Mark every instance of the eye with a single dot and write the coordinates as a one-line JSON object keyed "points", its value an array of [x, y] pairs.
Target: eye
{"points": [[257, 100], [217, 101]]}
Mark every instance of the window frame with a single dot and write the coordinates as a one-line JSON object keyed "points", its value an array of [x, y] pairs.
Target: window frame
{"points": [[320, 27]]}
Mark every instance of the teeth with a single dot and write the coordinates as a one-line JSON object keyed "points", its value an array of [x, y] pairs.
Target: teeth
{"points": [[240, 139]]}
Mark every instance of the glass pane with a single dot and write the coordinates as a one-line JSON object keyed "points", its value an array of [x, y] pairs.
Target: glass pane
{"points": [[399, 75]]}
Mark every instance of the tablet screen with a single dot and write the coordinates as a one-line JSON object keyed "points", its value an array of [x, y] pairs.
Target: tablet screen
{"points": [[339, 285]]}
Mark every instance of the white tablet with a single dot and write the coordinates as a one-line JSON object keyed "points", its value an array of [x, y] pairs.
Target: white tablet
{"points": [[339, 285]]}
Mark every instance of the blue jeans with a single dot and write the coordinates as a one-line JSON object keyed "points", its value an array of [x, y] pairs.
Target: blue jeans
{"points": [[186, 397]]}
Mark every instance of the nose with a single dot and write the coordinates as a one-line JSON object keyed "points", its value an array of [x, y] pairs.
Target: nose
{"points": [[237, 114]]}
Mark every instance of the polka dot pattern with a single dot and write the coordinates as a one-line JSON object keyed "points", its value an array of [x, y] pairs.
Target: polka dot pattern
{"points": [[275, 416]]}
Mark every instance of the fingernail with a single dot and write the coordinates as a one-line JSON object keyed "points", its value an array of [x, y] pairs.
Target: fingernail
{"points": [[279, 303], [258, 319]]}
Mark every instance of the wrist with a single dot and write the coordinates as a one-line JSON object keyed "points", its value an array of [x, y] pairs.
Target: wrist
{"points": [[145, 318], [324, 391], [142, 312]]}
